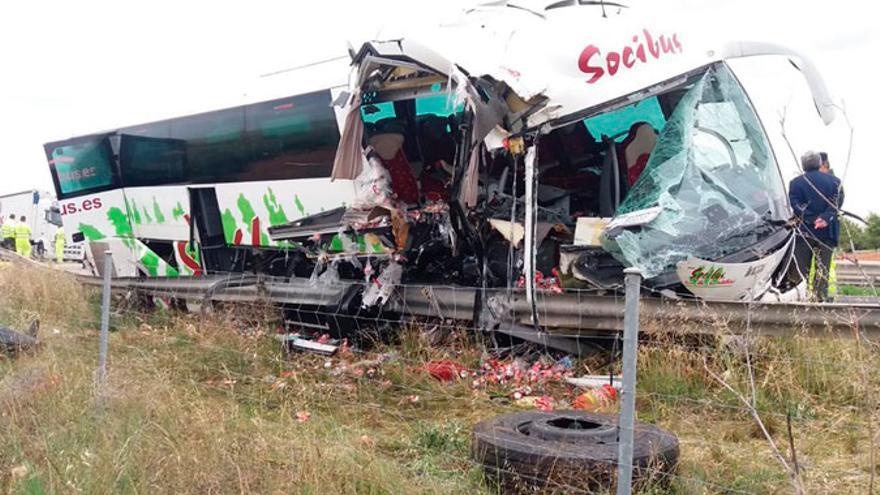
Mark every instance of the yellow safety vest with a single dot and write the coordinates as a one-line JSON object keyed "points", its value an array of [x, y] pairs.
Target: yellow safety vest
{"points": [[22, 232], [59, 236], [8, 230]]}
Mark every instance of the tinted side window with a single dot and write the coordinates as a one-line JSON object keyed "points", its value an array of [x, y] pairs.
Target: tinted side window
{"points": [[215, 146], [147, 161], [81, 165], [291, 138]]}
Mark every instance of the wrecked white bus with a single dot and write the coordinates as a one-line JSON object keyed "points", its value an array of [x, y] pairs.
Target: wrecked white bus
{"points": [[579, 144], [535, 148]]}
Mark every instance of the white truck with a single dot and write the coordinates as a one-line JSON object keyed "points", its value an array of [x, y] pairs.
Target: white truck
{"points": [[42, 214]]}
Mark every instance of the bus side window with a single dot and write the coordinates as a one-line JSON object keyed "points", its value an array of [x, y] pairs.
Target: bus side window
{"points": [[81, 165], [291, 138]]}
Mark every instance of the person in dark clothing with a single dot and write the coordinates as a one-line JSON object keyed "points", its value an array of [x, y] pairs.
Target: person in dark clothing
{"points": [[816, 197]]}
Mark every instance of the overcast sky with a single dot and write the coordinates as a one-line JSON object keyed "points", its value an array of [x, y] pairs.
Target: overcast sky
{"points": [[73, 68]]}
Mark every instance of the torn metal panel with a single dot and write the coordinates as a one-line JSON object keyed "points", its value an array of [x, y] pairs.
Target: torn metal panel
{"points": [[470, 185], [713, 178], [380, 290], [549, 60], [349, 154], [531, 247], [567, 61]]}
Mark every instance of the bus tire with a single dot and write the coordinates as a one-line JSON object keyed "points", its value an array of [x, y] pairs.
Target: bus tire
{"points": [[567, 452]]}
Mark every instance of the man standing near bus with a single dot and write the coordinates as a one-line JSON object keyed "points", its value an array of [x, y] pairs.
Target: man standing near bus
{"points": [[59, 245], [23, 238], [816, 198], [8, 232]]}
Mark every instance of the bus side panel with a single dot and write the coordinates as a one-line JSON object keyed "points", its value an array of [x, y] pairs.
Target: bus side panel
{"points": [[101, 220], [159, 212], [248, 209], [95, 217]]}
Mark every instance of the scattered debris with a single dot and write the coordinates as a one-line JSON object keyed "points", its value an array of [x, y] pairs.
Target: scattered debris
{"points": [[367, 441], [593, 381], [303, 416], [323, 345], [19, 472], [446, 371], [596, 399], [543, 402], [518, 372], [13, 343]]}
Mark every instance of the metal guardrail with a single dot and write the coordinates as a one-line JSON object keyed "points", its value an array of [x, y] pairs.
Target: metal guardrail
{"points": [[571, 313], [864, 274]]}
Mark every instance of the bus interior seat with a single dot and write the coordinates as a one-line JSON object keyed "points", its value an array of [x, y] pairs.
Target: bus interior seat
{"points": [[635, 149], [388, 125], [389, 146]]}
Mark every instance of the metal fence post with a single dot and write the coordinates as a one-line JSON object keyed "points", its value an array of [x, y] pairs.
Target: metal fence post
{"points": [[633, 283], [105, 325]]}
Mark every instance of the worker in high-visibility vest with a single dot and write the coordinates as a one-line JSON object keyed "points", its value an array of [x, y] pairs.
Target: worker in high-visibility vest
{"points": [[832, 278], [8, 232], [59, 245], [23, 238]]}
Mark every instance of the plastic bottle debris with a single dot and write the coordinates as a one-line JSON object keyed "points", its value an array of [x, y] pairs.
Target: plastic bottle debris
{"points": [[446, 371], [519, 373], [596, 399], [542, 402], [381, 288], [19, 472], [330, 275], [566, 362], [551, 284], [367, 442], [593, 381]]}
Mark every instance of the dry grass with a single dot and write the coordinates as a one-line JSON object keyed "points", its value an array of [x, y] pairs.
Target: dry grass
{"points": [[828, 387], [196, 406]]}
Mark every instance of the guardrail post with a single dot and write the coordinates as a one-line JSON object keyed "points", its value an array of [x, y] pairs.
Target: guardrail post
{"points": [[101, 374], [633, 283]]}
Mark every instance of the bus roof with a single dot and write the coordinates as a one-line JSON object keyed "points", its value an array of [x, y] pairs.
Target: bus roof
{"points": [[575, 55]]}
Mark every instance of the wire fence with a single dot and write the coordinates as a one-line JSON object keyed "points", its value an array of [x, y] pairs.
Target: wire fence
{"points": [[742, 406]]}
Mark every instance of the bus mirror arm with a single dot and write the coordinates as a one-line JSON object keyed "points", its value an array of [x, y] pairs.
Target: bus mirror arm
{"points": [[825, 106]]}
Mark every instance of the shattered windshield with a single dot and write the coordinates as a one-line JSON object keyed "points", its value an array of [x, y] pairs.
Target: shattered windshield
{"points": [[712, 178]]}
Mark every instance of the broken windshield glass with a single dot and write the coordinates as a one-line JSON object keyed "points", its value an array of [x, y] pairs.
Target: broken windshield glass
{"points": [[712, 177]]}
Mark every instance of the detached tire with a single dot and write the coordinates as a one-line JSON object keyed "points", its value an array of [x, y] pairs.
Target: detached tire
{"points": [[567, 452]]}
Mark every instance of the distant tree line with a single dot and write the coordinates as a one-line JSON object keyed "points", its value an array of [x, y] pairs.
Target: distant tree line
{"points": [[862, 236]]}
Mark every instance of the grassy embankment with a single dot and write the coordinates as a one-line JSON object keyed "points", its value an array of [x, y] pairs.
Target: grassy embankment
{"points": [[195, 405]]}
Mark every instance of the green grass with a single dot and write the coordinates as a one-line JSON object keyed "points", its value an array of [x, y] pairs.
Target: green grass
{"points": [[854, 290]]}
